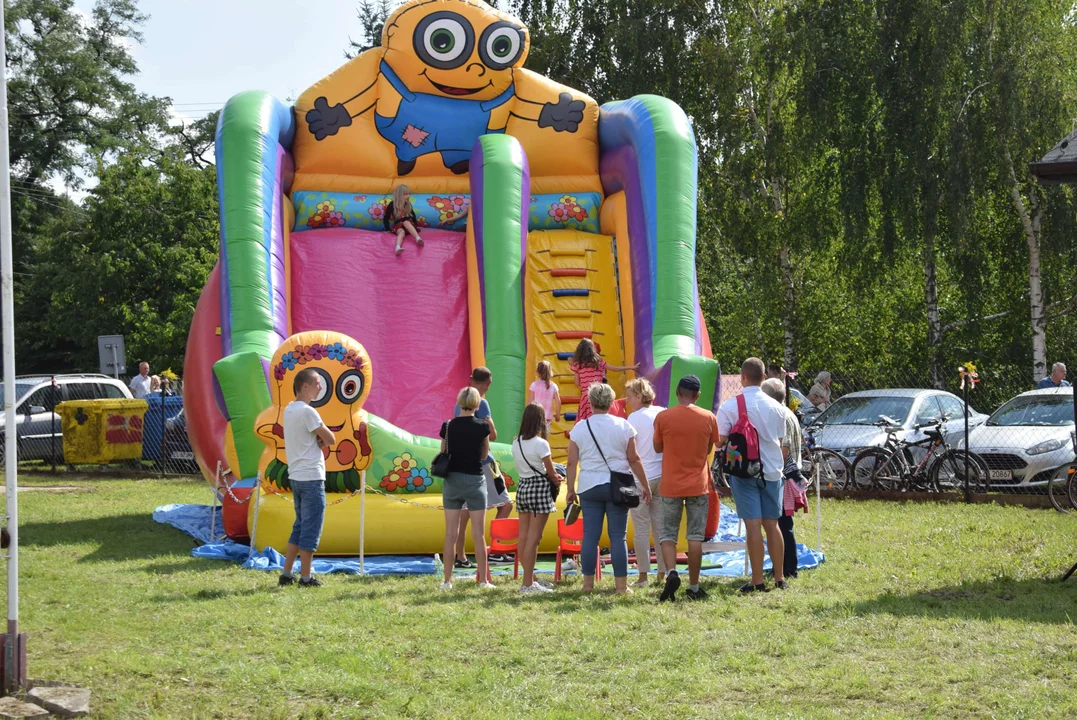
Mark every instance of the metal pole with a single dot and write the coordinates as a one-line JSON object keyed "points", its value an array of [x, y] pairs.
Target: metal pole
{"points": [[213, 508], [254, 525], [966, 381], [52, 423], [115, 363], [13, 662], [362, 520], [819, 516]]}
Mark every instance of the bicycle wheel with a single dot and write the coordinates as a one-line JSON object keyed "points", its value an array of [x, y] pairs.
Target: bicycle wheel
{"points": [[1071, 486], [717, 474], [947, 473], [1057, 491], [876, 469], [828, 469]]}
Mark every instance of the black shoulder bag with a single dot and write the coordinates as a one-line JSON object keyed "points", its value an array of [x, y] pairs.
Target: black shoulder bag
{"points": [[555, 488], [623, 491], [440, 465]]}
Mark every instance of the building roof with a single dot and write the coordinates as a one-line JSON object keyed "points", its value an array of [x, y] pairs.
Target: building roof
{"points": [[1060, 164]]}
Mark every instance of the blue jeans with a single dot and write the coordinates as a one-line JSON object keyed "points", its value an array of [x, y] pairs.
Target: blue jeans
{"points": [[596, 506], [308, 496]]}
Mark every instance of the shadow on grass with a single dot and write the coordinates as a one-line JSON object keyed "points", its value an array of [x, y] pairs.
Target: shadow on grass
{"points": [[118, 537], [1045, 601]]}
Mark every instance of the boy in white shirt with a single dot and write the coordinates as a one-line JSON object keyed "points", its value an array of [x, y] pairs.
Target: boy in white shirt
{"points": [[305, 435]]}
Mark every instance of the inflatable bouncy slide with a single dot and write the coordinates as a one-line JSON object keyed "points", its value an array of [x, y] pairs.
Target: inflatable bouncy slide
{"points": [[546, 219]]}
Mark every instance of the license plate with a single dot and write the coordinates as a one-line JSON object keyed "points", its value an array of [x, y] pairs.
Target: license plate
{"points": [[183, 456], [1001, 474]]}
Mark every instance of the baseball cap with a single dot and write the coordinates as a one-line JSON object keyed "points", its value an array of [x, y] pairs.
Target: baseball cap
{"points": [[689, 383]]}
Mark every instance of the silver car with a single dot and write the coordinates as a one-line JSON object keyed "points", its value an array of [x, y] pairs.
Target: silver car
{"points": [[849, 424], [39, 433], [1028, 440]]}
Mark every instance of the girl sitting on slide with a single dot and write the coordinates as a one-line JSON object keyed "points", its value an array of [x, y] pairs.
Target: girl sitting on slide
{"points": [[545, 392], [400, 218], [590, 368]]}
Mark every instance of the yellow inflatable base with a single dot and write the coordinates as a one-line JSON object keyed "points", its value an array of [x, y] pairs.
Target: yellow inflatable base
{"points": [[392, 527]]}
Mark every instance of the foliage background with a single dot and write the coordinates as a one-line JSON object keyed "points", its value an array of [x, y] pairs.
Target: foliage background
{"points": [[856, 205]]}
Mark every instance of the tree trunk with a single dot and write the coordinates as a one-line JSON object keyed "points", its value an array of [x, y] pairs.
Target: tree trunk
{"points": [[931, 300], [789, 310], [1030, 224]]}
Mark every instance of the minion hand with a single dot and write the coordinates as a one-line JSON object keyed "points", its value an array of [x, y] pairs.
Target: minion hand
{"points": [[565, 115], [325, 121]]}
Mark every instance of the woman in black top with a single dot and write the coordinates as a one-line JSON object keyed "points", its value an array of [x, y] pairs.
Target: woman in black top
{"points": [[466, 439]]}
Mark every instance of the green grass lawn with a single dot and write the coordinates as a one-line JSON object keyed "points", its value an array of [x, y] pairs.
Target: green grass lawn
{"points": [[920, 611]]}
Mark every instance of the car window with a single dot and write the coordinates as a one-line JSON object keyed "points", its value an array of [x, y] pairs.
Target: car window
{"points": [[928, 410], [81, 390], [111, 392], [865, 410], [1035, 410], [952, 406], [46, 397]]}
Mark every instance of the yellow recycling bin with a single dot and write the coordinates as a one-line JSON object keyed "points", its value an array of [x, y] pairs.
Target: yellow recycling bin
{"points": [[98, 432]]}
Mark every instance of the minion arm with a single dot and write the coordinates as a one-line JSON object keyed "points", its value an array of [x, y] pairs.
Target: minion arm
{"points": [[324, 120], [565, 115]]}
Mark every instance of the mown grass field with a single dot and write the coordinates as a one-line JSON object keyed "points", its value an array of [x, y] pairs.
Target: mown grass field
{"points": [[937, 611]]}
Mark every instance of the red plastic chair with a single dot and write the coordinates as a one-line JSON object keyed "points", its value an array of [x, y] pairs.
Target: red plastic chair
{"points": [[504, 538], [570, 542]]}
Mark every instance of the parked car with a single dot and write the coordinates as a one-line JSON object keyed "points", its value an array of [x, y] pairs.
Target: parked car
{"points": [[806, 412], [39, 433], [849, 424], [1028, 440], [178, 455]]}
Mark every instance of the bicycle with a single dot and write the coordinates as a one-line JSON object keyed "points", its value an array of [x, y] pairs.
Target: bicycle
{"points": [[942, 469], [1063, 490], [822, 466]]}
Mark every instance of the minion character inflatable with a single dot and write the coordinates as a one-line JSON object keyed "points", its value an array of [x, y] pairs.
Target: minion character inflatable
{"points": [[546, 219], [447, 76]]}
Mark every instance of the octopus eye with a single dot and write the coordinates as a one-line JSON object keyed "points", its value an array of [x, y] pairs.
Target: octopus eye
{"points": [[349, 386]]}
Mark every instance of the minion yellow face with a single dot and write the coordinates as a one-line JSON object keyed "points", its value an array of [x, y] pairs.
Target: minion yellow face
{"points": [[454, 48]]}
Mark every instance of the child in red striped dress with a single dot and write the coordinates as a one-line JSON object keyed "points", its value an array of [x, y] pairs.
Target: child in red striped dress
{"points": [[589, 368]]}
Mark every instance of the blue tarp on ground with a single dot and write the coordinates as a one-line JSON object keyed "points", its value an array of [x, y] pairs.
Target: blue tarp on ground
{"points": [[195, 520]]}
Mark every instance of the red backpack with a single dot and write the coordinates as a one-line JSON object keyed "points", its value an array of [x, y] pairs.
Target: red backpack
{"points": [[742, 446]]}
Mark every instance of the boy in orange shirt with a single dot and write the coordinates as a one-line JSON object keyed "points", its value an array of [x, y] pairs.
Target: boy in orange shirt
{"points": [[684, 434]]}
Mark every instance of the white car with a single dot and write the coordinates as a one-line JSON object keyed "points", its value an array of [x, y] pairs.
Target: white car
{"points": [[849, 425], [1028, 440]]}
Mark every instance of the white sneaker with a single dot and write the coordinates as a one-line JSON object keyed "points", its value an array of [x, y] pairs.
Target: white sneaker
{"points": [[641, 584], [544, 583], [486, 586], [568, 566], [445, 586], [536, 588]]}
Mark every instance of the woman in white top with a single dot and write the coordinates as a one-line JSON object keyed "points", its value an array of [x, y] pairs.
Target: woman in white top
{"points": [[617, 440], [639, 396], [538, 487]]}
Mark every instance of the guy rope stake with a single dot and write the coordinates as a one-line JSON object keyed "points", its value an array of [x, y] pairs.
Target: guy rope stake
{"points": [[362, 520], [213, 508]]}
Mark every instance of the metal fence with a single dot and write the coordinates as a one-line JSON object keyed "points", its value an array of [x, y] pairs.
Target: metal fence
{"points": [[165, 447], [906, 434]]}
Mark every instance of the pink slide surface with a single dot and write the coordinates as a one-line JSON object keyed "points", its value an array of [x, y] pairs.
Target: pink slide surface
{"points": [[409, 312]]}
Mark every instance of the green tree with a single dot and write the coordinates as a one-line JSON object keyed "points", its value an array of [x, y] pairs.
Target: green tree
{"points": [[372, 16], [133, 261]]}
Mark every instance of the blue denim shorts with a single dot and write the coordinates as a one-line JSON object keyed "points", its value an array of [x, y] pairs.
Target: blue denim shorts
{"points": [[308, 496], [755, 502]]}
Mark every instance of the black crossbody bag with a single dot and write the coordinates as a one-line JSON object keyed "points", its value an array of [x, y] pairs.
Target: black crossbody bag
{"points": [[623, 491], [555, 488], [439, 467]]}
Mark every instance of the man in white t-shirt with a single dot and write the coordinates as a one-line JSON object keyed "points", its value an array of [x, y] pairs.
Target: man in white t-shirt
{"points": [[140, 384], [759, 499], [305, 437]]}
